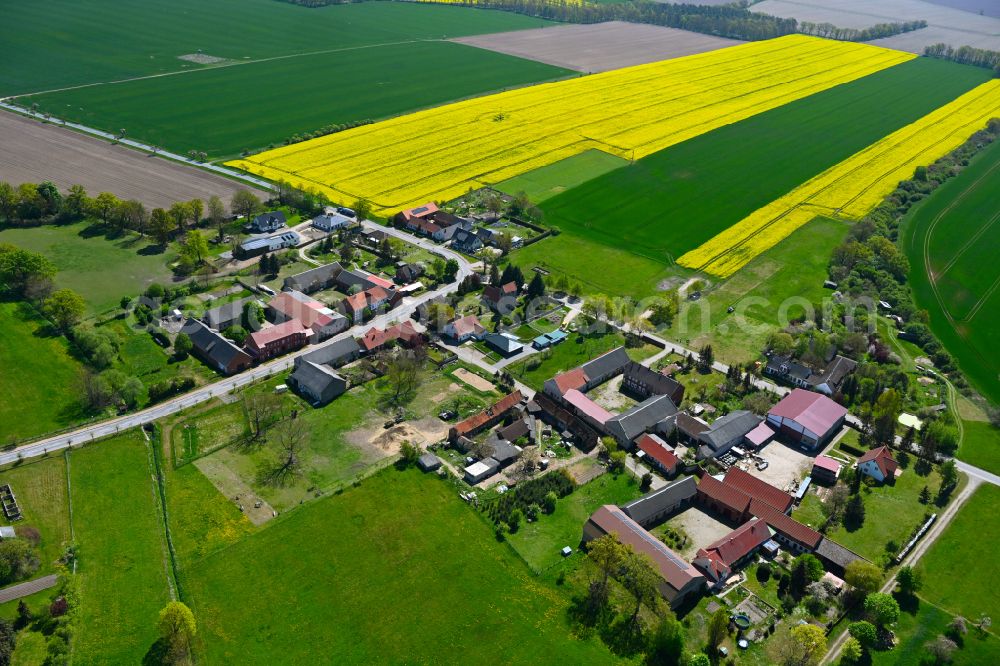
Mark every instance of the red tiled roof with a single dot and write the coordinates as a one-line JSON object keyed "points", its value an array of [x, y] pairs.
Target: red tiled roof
{"points": [[571, 379], [814, 411], [612, 520], [477, 420], [711, 564], [419, 211], [656, 451], [468, 324], [786, 525], [723, 493], [266, 336], [376, 337], [587, 406], [380, 281], [494, 293], [376, 294], [758, 489], [741, 541], [356, 302], [883, 458]]}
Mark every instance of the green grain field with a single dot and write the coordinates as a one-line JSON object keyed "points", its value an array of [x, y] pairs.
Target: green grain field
{"points": [[255, 101], [548, 181], [121, 549], [52, 45], [674, 200], [396, 570], [954, 236], [981, 445]]}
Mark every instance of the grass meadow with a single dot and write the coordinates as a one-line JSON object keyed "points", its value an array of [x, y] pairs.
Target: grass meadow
{"points": [[960, 550], [981, 445], [43, 495], [673, 200], [147, 38], [919, 626], [99, 268], [954, 234], [256, 105], [540, 542], [397, 569], [122, 554], [39, 377], [547, 181]]}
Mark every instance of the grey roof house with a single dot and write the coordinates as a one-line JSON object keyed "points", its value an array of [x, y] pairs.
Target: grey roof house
{"points": [[319, 384], [657, 505], [314, 279], [651, 414], [225, 316], [214, 349], [726, 432], [266, 222]]}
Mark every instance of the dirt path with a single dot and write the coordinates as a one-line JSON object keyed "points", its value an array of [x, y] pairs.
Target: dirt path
{"points": [[234, 488]]}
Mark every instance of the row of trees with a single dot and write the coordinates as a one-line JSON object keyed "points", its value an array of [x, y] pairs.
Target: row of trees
{"points": [[877, 31], [966, 55]]}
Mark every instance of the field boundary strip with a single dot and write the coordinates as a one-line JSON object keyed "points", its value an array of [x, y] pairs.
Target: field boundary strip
{"points": [[438, 154], [853, 187]]}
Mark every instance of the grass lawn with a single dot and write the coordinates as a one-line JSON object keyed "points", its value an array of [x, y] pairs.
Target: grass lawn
{"points": [[578, 348], [766, 293], [547, 181], [891, 514], [99, 268], [397, 569], [669, 202], [122, 567], [981, 445], [50, 400], [41, 491], [915, 629], [957, 552], [539, 542], [954, 235], [148, 38], [258, 105]]}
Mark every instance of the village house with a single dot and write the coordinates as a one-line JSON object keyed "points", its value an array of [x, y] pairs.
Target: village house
{"points": [[214, 349], [330, 220], [369, 300], [317, 383], [878, 464], [643, 382], [226, 316], [586, 437], [720, 559], [654, 414], [258, 245], [592, 373], [787, 370], [680, 580], [464, 328], [408, 272], [322, 322], [376, 339], [829, 380], [826, 381], [504, 344], [466, 241], [656, 452], [266, 223], [277, 340], [689, 428], [500, 298], [725, 433], [314, 279], [807, 418]]}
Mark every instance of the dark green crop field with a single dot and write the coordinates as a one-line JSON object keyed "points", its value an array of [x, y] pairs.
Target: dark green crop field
{"points": [[224, 110], [952, 240], [52, 44], [397, 570], [674, 200]]}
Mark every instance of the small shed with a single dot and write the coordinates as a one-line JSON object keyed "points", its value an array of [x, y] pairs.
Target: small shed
{"points": [[7, 532], [428, 462]]}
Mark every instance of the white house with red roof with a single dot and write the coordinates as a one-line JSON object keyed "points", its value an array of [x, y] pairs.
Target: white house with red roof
{"points": [[718, 560], [276, 340], [878, 464], [807, 418], [657, 453], [317, 317]]}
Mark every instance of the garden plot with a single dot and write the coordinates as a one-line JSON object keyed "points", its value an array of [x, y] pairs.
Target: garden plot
{"points": [[599, 47]]}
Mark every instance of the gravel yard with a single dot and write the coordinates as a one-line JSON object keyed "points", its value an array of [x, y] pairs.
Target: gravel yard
{"points": [[700, 527], [34, 151], [599, 47], [785, 465]]}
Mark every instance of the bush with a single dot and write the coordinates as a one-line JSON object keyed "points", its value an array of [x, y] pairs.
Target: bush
{"points": [[763, 572]]}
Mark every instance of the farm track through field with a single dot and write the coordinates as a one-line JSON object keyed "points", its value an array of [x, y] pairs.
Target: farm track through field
{"points": [[222, 66]]}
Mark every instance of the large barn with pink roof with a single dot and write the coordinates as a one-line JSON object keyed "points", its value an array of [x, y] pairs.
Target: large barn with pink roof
{"points": [[807, 418]]}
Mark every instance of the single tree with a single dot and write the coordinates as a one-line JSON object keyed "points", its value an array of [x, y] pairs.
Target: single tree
{"points": [[245, 203], [882, 608], [402, 376], [195, 210], [104, 205], [909, 581], [363, 209], [718, 629], [641, 578], [64, 307], [863, 576], [182, 345], [262, 410], [851, 652], [607, 555], [217, 214], [290, 436], [666, 646], [195, 248], [699, 659], [177, 629], [549, 502], [942, 649], [806, 645], [854, 512], [161, 225]]}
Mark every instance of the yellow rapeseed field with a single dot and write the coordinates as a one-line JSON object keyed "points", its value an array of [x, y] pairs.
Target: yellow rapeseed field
{"points": [[439, 153], [855, 186]]}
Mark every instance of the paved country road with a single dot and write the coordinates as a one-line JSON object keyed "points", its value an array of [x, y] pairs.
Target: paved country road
{"points": [[27, 588], [224, 386]]}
